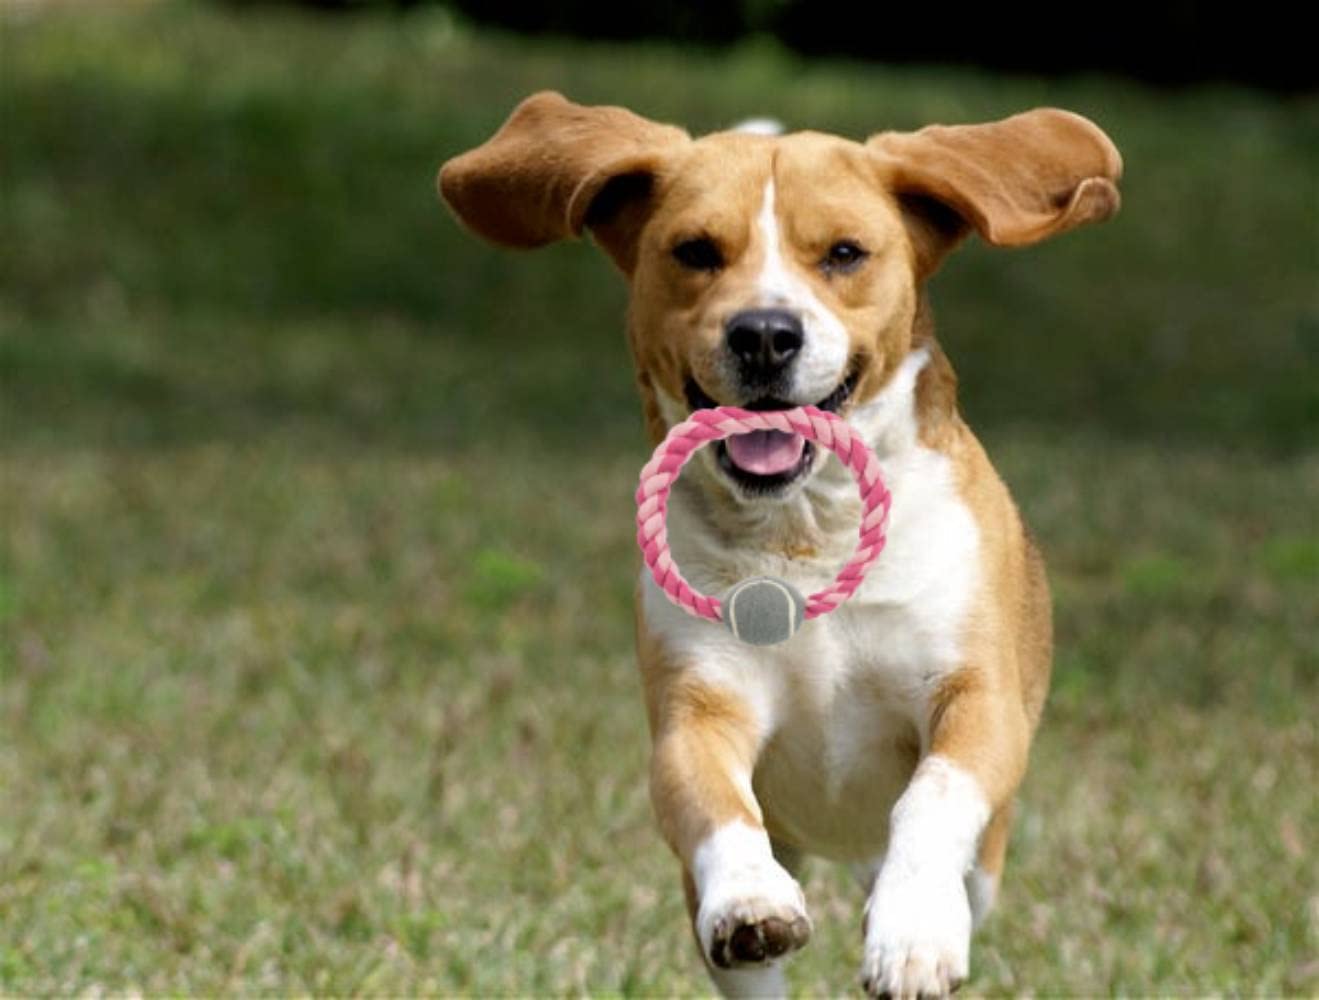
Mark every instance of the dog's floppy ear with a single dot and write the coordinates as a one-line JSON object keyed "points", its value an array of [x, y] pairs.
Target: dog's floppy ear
{"points": [[1015, 181], [555, 168]]}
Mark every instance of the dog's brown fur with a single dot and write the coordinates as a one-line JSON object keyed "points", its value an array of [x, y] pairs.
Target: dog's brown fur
{"points": [[556, 169]]}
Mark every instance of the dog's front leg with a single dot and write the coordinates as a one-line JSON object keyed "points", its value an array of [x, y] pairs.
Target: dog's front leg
{"points": [[918, 916], [746, 910]]}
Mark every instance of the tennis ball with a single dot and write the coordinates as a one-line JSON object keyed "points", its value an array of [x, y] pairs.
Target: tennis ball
{"points": [[764, 610]]}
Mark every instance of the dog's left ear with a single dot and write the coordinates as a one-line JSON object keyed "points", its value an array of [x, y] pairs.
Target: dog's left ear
{"points": [[555, 168], [1015, 181]]}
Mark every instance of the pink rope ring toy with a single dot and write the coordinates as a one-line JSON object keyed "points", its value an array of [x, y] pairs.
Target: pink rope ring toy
{"points": [[762, 611]]}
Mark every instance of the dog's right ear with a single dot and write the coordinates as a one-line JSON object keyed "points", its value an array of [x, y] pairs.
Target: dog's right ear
{"points": [[555, 168]]}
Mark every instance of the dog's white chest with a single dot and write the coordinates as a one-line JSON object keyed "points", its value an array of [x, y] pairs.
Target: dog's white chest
{"points": [[845, 701]]}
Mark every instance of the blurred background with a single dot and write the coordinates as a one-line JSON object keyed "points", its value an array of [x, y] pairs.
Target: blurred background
{"points": [[317, 561]]}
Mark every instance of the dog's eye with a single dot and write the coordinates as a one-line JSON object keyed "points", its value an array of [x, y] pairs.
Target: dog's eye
{"points": [[843, 256], [698, 255]]}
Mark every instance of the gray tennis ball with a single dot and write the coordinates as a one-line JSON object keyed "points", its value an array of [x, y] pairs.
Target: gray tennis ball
{"points": [[764, 610]]}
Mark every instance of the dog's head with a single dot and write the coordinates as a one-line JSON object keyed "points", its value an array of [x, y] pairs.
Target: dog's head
{"points": [[775, 271]]}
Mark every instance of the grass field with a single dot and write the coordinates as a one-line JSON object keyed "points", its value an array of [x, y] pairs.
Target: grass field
{"points": [[303, 691]]}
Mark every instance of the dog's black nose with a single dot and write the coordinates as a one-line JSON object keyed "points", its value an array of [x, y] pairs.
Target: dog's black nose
{"points": [[764, 340]]}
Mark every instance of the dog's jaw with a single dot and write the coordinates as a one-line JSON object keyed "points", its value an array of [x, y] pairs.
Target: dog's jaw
{"points": [[789, 457], [888, 422]]}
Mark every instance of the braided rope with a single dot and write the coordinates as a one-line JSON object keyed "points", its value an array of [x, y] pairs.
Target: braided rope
{"points": [[705, 426]]}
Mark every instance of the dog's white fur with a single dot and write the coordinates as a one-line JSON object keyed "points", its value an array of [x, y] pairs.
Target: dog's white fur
{"points": [[918, 927], [738, 879], [892, 733], [897, 638]]}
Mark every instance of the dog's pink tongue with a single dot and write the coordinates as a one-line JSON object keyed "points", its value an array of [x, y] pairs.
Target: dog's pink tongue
{"points": [[765, 453]]}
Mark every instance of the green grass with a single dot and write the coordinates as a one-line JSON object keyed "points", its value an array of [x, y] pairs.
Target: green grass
{"points": [[305, 690]]}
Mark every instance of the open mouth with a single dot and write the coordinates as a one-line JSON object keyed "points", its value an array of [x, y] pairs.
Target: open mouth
{"points": [[764, 462]]}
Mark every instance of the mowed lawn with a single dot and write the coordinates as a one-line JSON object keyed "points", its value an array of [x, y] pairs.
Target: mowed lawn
{"points": [[317, 551]]}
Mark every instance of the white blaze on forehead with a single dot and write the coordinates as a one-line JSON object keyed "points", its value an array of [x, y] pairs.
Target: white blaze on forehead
{"points": [[822, 362]]}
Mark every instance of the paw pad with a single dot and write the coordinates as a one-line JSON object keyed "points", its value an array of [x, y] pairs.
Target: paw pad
{"points": [[751, 942]]}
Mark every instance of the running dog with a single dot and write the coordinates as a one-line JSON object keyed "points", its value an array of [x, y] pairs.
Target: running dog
{"points": [[773, 271]]}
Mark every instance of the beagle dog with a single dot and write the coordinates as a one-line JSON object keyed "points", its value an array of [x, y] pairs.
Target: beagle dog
{"points": [[772, 271]]}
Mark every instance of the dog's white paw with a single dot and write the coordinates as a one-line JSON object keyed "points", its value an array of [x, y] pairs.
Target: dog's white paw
{"points": [[751, 913], [918, 937]]}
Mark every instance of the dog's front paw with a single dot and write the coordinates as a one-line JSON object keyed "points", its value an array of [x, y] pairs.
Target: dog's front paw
{"points": [[752, 915], [918, 937]]}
